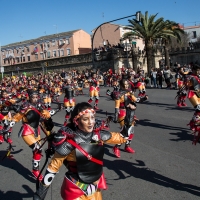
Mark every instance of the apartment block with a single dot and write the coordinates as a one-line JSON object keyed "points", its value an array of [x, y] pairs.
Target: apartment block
{"points": [[46, 47]]}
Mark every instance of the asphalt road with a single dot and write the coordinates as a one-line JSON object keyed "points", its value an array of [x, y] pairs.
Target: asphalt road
{"points": [[165, 166]]}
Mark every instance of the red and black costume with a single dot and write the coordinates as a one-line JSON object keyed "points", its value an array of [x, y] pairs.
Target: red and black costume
{"points": [[82, 153], [115, 91], [125, 116], [193, 85], [94, 90], [33, 115], [7, 104], [140, 84], [182, 93], [69, 101], [44, 90]]}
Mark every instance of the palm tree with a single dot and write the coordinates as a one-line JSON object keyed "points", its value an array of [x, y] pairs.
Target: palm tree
{"points": [[177, 34], [150, 29]]}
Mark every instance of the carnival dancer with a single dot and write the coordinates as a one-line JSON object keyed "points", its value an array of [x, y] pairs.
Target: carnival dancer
{"points": [[193, 84], [80, 147], [108, 77], [139, 83], [78, 87], [182, 93], [55, 91], [94, 90], [45, 92], [69, 100], [125, 106], [6, 106], [32, 113], [115, 91], [130, 80]]}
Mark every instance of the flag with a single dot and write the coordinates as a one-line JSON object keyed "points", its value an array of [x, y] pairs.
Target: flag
{"points": [[35, 50]]}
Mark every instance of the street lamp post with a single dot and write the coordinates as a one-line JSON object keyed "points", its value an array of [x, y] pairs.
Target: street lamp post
{"points": [[137, 18], [2, 69], [127, 54]]}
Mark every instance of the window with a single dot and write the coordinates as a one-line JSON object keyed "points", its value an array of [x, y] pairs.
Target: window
{"points": [[27, 48], [41, 46], [54, 53], [48, 54], [29, 58], [17, 59], [41, 55], [22, 51], [4, 61], [194, 34], [68, 52], [23, 58], [67, 41], [36, 56], [61, 42], [61, 52]]}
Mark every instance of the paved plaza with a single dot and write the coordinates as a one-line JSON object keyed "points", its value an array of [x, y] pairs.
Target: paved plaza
{"points": [[166, 166]]}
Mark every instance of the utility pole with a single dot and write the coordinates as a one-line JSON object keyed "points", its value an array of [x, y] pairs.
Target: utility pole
{"points": [[2, 70]]}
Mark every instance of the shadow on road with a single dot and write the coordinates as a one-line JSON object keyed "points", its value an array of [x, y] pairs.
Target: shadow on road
{"points": [[103, 112], [147, 122], [182, 136], [16, 195], [15, 165], [171, 106], [140, 171]]}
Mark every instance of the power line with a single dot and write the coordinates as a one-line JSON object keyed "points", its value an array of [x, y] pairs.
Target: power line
{"points": [[189, 22]]}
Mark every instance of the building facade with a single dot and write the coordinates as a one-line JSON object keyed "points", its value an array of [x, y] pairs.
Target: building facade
{"points": [[110, 36], [46, 47], [193, 32]]}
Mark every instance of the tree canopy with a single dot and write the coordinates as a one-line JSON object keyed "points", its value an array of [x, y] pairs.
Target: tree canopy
{"points": [[150, 30]]}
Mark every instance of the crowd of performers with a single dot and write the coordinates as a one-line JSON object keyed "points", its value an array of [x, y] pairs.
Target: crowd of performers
{"points": [[79, 143], [188, 82]]}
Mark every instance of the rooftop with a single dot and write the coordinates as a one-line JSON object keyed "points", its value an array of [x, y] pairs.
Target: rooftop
{"points": [[42, 38]]}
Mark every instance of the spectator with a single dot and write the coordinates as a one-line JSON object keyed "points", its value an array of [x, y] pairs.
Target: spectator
{"points": [[167, 74], [154, 74], [159, 78], [175, 66], [63, 74], [151, 77]]}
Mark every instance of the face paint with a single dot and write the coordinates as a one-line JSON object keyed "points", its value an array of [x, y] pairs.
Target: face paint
{"points": [[82, 113], [126, 85], [34, 99], [86, 122]]}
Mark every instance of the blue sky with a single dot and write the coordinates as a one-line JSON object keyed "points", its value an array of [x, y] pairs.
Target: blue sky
{"points": [[28, 19]]}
